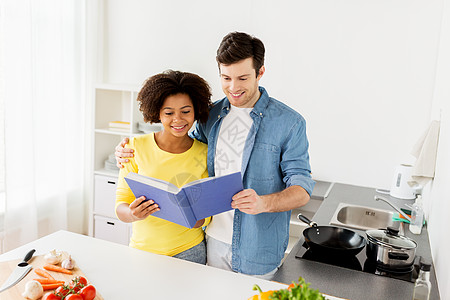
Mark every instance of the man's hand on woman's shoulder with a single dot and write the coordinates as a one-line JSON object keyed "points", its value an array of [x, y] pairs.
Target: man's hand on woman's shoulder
{"points": [[122, 153]]}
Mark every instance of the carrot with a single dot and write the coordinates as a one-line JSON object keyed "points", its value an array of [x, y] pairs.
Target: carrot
{"points": [[49, 267], [43, 273], [51, 286], [48, 281]]}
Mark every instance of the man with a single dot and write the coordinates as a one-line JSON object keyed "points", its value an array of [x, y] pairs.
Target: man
{"points": [[265, 140]]}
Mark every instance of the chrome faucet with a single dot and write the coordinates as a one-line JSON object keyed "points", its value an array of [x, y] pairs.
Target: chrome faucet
{"points": [[394, 207]]}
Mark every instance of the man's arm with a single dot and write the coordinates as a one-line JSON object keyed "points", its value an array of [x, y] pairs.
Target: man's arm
{"points": [[249, 202], [122, 154], [296, 170]]}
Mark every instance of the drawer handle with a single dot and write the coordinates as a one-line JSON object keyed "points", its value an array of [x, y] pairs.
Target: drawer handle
{"points": [[110, 223], [111, 182]]}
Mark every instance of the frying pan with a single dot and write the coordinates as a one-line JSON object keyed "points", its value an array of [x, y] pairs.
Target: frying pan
{"points": [[331, 240]]}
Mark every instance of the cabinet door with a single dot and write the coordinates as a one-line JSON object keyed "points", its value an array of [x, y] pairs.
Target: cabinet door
{"points": [[112, 230], [105, 195]]}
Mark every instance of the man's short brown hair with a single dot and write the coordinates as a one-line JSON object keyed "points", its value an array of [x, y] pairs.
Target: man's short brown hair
{"points": [[237, 46]]}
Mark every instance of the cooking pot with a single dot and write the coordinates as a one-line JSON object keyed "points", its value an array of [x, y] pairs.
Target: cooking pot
{"points": [[390, 250], [331, 240]]}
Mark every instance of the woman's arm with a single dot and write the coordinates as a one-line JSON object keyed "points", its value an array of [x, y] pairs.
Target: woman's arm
{"points": [[138, 210]]}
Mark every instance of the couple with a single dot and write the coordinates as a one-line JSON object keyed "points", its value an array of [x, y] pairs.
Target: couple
{"points": [[247, 132]]}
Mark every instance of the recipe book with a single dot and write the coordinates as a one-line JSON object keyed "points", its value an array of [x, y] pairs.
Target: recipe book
{"points": [[194, 201]]}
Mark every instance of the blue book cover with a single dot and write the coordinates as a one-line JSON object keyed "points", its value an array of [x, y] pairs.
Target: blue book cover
{"points": [[194, 201]]}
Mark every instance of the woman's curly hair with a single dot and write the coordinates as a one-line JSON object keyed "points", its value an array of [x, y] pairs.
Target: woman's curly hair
{"points": [[157, 88]]}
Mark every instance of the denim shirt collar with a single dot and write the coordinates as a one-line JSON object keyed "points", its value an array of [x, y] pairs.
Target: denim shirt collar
{"points": [[261, 104]]}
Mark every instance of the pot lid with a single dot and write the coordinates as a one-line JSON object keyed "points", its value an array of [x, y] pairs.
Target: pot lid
{"points": [[391, 238]]}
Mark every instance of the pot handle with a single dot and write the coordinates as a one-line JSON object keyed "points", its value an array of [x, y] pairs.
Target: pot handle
{"points": [[398, 255], [304, 219]]}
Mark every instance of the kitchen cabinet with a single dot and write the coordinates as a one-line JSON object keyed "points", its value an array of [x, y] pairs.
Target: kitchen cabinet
{"points": [[104, 195], [111, 103], [111, 229], [106, 225]]}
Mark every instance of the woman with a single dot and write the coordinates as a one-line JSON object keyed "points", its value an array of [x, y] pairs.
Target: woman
{"points": [[176, 99]]}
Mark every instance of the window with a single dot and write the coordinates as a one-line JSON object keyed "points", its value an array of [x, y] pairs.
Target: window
{"points": [[2, 159], [2, 151]]}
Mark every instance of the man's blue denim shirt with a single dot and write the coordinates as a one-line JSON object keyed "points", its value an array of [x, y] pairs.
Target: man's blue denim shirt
{"points": [[275, 157]]}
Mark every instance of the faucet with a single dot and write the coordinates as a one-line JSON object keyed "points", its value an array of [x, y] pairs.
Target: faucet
{"points": [[377, 198]]}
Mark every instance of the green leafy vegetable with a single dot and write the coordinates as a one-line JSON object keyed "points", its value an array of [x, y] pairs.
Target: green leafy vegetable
{"points": [[297, 291]]}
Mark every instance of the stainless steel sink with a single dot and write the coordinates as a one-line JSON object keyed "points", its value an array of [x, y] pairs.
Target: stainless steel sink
{"points": [[363, 217]]}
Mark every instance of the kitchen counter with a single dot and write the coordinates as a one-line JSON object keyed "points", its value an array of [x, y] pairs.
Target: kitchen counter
{"points": [[347, 283], [120, 272]]}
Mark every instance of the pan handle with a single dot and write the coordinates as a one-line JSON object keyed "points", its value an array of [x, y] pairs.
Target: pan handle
{"points": [[304, 219], [398, 255]]}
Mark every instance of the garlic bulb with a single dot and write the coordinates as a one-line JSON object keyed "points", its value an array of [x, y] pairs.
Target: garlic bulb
{"points": [[53, 257], [33, 290], [68, 263]]}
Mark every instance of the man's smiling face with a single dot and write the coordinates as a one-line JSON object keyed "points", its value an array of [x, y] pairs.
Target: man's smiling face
{"points": [[240, 83]]}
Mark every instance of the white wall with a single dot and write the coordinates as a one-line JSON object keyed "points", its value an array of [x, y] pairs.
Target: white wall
{"points": [[439, 198], [360, 72], [368, 76]]}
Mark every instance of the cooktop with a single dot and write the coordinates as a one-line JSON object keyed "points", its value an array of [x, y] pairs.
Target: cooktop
{"points": [[360, 262]]}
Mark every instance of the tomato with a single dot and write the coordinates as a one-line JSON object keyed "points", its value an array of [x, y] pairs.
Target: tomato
{"points": [[62, 291], [88, 292], [75, 288], [74, 297], [77, 284], [51, 296], [79, 279]]}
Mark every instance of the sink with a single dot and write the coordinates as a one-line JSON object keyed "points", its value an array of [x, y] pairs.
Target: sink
{"points": [[363, 217]]}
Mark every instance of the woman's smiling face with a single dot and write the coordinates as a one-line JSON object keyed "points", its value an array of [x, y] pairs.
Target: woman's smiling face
{"points": [[177, 115]]}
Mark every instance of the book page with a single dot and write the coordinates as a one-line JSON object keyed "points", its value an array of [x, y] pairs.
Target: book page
{"points": [[202, 180], [157, 183], [213, 196]]}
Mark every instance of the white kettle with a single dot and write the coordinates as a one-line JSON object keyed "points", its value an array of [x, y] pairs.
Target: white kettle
{"points": [[400, 187]]}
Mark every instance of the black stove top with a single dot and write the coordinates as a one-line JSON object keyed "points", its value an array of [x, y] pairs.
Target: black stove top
{"points": [[360, 262]]}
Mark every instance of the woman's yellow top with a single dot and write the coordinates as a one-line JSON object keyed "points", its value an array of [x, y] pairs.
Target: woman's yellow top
{"points": [[154, 234]]}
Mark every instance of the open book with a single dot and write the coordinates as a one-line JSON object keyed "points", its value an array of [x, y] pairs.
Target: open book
{"points": [[194, 201]]}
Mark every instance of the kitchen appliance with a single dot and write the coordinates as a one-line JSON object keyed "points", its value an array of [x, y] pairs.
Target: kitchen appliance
{"points": [[388, 250], [331, 240], [358, 262], [19, 272], [400, 187]]}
